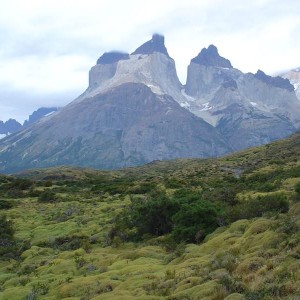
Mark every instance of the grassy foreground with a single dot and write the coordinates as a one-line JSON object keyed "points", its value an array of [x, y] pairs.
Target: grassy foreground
{"points": [[75, 235]]}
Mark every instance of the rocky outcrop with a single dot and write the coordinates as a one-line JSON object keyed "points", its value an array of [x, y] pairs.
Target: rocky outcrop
{"points": [[245, 108], [9, 127], [211, 57], [156, 44], [274, 81], [12, 126], [40, 113]]}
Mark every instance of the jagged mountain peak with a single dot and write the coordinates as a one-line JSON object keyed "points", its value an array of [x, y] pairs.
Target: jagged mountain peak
{"points": [[274, 81], [150, 64], [210, 57], [112, 57], [156, 44]]}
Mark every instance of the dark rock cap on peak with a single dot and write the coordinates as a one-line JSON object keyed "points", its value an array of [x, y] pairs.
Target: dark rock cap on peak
{"points": [[156, 44], [211, 57], [112, 57], [274, 81]]}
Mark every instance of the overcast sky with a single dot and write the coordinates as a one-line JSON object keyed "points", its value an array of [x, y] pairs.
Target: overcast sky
{"points": [[48, 47]]}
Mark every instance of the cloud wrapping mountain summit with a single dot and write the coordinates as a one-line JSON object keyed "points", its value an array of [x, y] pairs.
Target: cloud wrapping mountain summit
{"points": [[135, 110]]}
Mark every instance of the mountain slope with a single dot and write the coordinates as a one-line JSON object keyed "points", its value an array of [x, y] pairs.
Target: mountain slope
{"points": [[129, 125]]}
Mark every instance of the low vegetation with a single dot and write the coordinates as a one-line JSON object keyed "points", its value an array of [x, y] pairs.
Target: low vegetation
{"points": [[215, 229]]}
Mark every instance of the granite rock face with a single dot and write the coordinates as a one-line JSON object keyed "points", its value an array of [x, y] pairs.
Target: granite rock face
{"points": [[245, 108]]}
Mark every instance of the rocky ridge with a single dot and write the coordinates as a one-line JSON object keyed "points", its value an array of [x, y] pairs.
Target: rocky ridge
{"points": [[245, 108], [12, 125]]}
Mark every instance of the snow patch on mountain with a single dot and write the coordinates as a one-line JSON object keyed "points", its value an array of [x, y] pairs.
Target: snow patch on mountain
{"points": [[185, 104], [206, 107]]}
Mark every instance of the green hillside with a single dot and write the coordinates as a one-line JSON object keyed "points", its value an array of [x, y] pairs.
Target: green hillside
{"points": [[214, 229]]}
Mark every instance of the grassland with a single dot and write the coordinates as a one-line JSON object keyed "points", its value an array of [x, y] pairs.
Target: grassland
{"points": [[68, 241]]}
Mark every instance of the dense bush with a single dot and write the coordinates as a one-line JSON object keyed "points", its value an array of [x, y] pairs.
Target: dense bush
{"points": [[297, 189], [152, 215], [7, 243], [4, 204], [193, 222], [143, 188], [47, 196], [71, 242], [257, 206], [112, 186], [186, 216]]}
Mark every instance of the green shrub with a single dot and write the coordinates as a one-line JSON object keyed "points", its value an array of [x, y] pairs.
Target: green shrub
{"points": [[152, 215], [7, 243], [47, 196], [71, 242], [297, 190], [186, 216], [193, 222], [174, 183], [143, 188], [20, 184], [256, 207], [6, 228], [4, 204]]}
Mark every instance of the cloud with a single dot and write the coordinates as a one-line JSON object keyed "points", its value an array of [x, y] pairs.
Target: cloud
{"points": [[48, 47]]}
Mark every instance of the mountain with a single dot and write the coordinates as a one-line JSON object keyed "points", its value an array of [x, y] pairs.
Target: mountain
{"points": [[245, 108], [294, 77], [150, 64], [135, 110], [12, 126], [9, 127], [126, 117], [40, 113]]}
